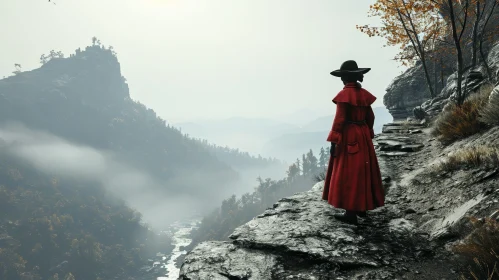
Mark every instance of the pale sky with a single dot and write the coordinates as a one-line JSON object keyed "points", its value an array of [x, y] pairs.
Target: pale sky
{"points": [[205, 59]]}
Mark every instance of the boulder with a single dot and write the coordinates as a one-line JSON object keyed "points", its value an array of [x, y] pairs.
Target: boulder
{"points": [[419, 113]]}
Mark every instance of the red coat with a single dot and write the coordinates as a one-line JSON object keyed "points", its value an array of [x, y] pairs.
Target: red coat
{"points": [[355, 181]]}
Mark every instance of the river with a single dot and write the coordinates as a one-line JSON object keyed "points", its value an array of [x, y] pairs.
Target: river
{"points": [[180, 232]]}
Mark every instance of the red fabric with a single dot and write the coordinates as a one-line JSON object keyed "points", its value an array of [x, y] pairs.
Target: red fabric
{"points": [[355, 180]]}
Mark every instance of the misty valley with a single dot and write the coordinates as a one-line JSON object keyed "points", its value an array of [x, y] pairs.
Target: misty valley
{"points": [[92, 178]]}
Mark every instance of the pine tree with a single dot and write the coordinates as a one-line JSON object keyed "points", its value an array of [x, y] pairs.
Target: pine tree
{"points": [[323, 156], [293, 172], [305, 165], [312, 163]]}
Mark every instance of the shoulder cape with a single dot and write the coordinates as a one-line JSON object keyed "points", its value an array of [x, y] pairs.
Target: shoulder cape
{"points": [[354, 95]]}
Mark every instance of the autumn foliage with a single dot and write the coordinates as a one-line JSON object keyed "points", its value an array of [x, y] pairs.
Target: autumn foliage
{"points": [[414, 26], [427, 30]]}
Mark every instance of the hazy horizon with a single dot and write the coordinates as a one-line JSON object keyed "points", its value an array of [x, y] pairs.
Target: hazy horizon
{"points": [[210, 60]]}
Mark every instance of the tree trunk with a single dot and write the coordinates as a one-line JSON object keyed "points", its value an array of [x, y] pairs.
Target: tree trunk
{"points": [[435, 80], [427, 76], [457, 44], [419, 50], [441, 73], [484, 59], [475, 36]]}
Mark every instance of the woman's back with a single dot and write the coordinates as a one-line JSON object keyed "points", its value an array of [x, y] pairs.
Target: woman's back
{"points": [[357, 113], [353, 181]]}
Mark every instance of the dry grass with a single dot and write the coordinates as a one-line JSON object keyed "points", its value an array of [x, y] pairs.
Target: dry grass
{"points": [[490, 113], [406, 124], [459, 122], [480, 250], [478, 156]]}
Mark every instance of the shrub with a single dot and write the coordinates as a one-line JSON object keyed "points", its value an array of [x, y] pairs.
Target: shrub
{"points": [[480, 250], [476, 156], [490, 113], [462, 121], [321, 176]]}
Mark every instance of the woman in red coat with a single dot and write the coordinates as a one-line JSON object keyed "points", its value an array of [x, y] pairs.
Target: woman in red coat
{"points": [[354, 183]]}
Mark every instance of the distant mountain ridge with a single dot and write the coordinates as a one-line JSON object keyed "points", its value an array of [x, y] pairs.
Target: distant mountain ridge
{"points": [[272, 138], [85, 99], [382, 116]]}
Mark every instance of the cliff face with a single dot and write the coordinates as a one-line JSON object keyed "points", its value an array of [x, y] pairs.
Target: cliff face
{"points": [[409, 91], [299, 238], [406, 92]]}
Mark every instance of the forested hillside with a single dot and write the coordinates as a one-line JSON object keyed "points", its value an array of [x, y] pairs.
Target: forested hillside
{"points": [[52, 228], [85, 99]]}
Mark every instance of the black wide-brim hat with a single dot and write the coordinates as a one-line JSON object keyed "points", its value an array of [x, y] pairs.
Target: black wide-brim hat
{"points": [[349, 67]]}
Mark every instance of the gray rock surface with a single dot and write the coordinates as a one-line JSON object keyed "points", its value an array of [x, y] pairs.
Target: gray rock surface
{"points": [[494, 94], [298, 238], [222, 260], [406, 92], [493, 61]]}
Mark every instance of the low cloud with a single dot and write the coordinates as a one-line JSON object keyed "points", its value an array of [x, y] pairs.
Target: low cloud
{"points": [[56, 156]]}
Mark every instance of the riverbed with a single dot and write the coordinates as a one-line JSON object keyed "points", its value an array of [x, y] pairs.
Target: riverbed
{"points": [[180, 233]]}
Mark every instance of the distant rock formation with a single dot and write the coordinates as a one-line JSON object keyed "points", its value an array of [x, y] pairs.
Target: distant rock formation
{"points": [[406, 92]]}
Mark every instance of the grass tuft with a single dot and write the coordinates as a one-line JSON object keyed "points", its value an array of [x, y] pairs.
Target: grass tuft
{"points": [[480, 250], [459, 122], [484, 156]]}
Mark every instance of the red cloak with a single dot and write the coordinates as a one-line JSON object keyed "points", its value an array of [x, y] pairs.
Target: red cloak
{"points": [[355, 180]]}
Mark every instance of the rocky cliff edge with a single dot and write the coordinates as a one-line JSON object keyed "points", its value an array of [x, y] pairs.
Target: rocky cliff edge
{"points": [[298, 238]]}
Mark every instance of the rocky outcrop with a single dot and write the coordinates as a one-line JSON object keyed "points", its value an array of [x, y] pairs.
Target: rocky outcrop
{"points": [[406, 92], [493, 61], [408, 96], [298, 238], [473, 79]]}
